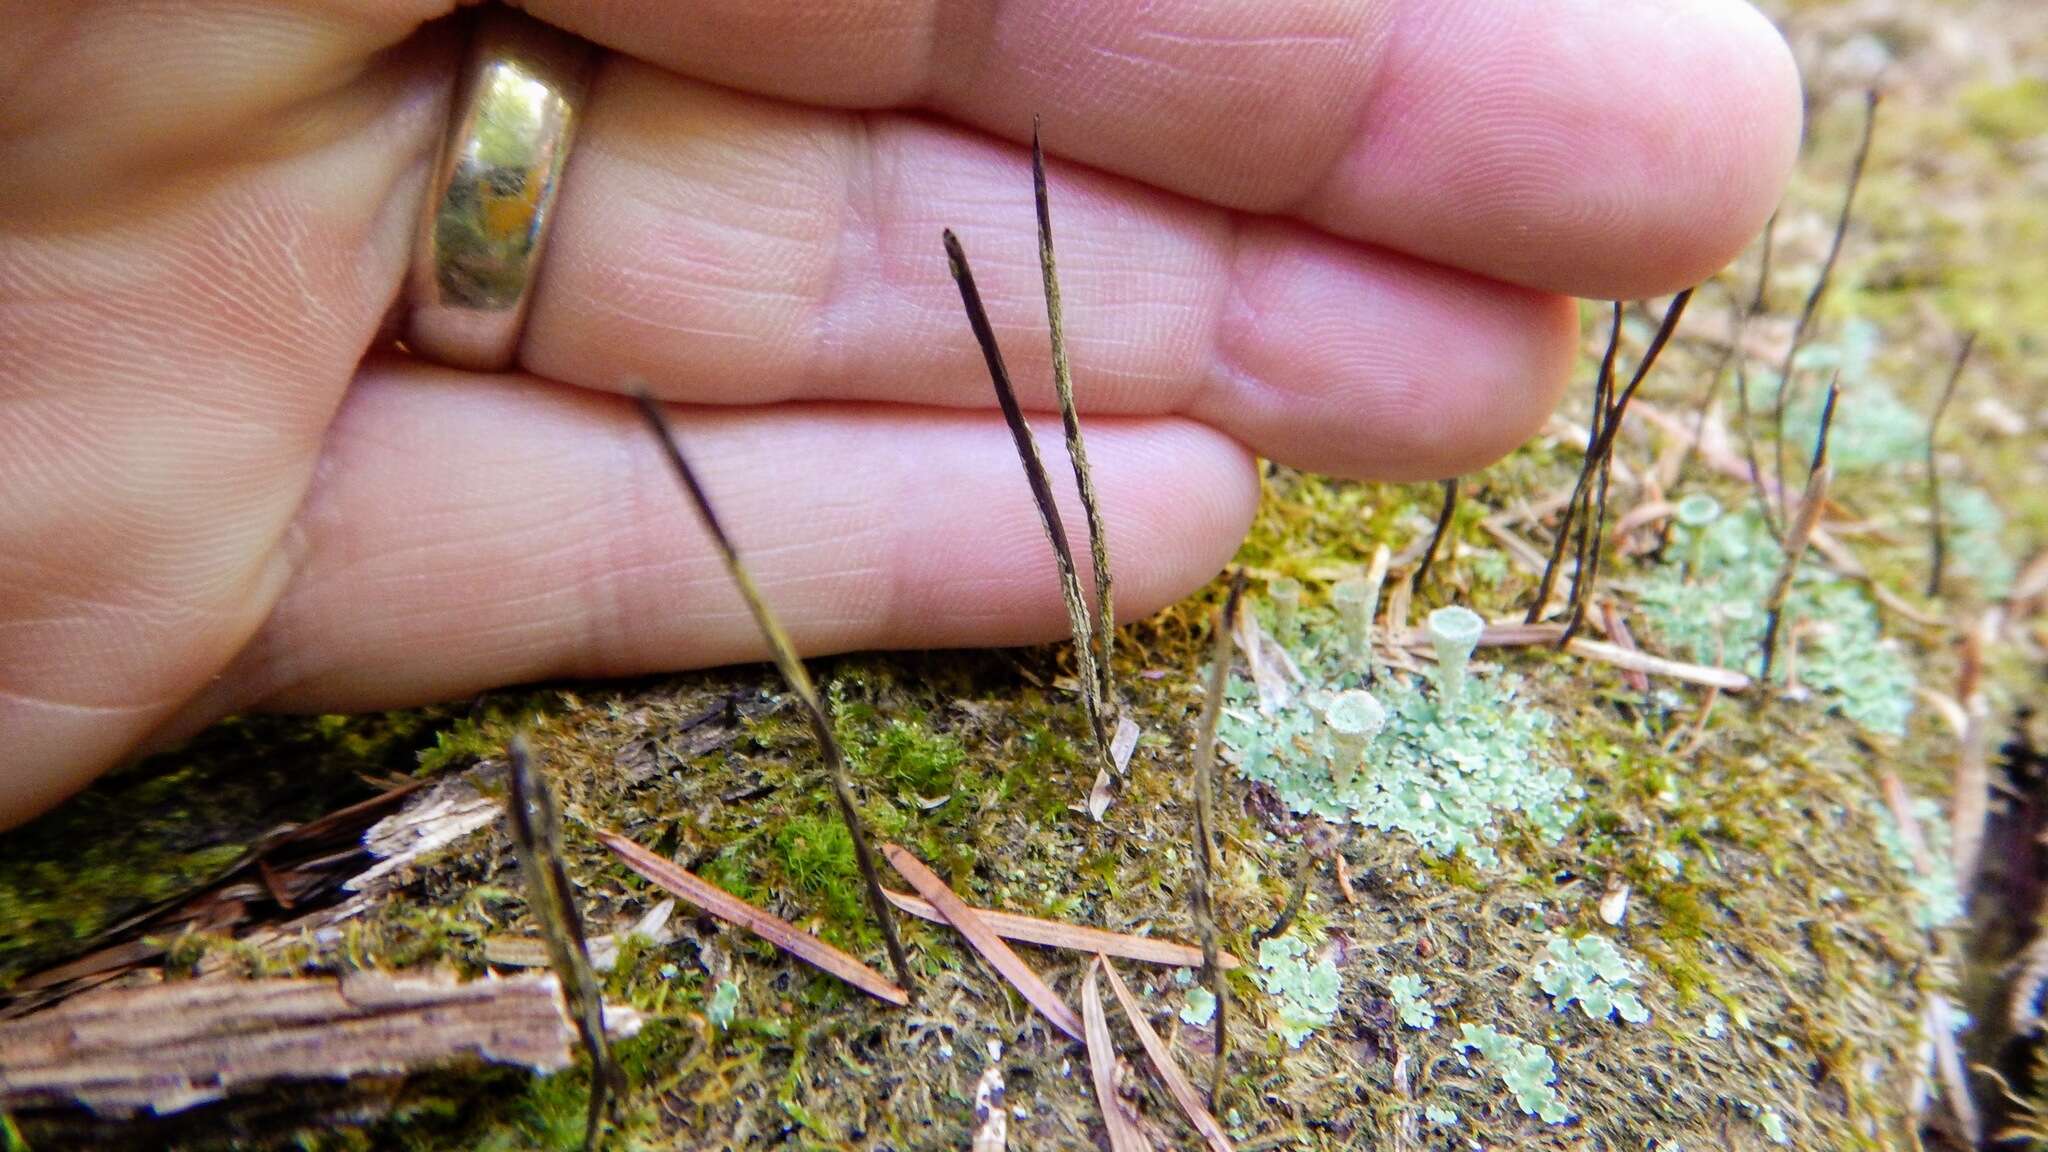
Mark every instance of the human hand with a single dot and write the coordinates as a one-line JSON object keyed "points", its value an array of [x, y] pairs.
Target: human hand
{"points": [[1334, 233]]}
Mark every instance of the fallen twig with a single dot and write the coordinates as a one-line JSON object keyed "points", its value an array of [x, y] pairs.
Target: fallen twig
{"points": [[703, 894], [799, 680], [984, 940]]}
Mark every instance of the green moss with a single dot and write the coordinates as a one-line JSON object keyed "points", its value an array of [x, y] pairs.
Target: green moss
{"points": [[2008, 114]]}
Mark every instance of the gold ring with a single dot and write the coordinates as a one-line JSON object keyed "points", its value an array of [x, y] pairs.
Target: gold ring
{"points": [[493, 194]]}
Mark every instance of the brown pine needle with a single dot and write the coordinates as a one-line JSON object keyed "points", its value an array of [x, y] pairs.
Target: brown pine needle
{"points": [[1041, 492], [1123, 1134], [984, 940], [1177, 1084], [1070, 420], [701, 893], [1072, 937], [799, 680], [537, 829]]}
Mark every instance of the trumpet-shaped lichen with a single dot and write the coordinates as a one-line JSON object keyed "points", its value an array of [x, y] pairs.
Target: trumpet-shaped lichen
{"points": [[1305, 993], [1445, 781], [1411, 1001], [1525, 1068], [1715, 615], [1592, 971]]}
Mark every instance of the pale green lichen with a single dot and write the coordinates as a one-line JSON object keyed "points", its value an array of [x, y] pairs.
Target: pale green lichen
{"points": [[1199, 1007], [1443, 1116], [1305, 993], [1446, 781], [1526, 1069], [1938, 898], [1593, 972], [1973, 530], [1411, 1001], [724, 1002], [1774, 1126], [1715, 616]]}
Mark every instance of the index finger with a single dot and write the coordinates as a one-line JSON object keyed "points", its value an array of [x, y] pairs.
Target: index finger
{"points": [[1610, 148]]}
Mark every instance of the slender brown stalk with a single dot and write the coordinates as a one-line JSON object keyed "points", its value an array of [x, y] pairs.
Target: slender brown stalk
{"points": [[1070, 420], [1220, 653], [1041, 494], [1811, 504], [537, 830], [799, 680], [1443, 526], [1937, 529], [1804, 324], [1756, 472], [1758, 300]]}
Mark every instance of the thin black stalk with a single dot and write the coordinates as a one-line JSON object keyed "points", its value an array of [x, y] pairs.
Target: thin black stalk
{"points": [[1603, 385], [1443, 526], [1221, 651], [799, 680], [1811, 504], [1801, 327], [1937, 528]]}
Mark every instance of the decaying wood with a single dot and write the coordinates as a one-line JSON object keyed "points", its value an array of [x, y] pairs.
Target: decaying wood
{"points": [[169, 1047], [991, 1117], [1073, 937], [703, 894], [984, 941]]}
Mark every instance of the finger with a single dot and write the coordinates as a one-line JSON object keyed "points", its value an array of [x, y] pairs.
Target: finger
{"points": [[733, 249], [1597, 147], [474, 531], [173, 341]]}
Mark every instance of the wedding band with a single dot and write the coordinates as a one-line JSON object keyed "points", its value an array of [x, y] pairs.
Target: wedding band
{"points": [[493, 193]]}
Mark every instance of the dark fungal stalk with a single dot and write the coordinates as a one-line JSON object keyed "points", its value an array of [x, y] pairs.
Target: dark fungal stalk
{"points": [[537, 832], [1221, 651], [1603, 383], [1077, 452], [1937, 545], [1041, 494], [1749, 453], [799, 680], [1443, 527], [1800, 532], [1804, 324]]}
